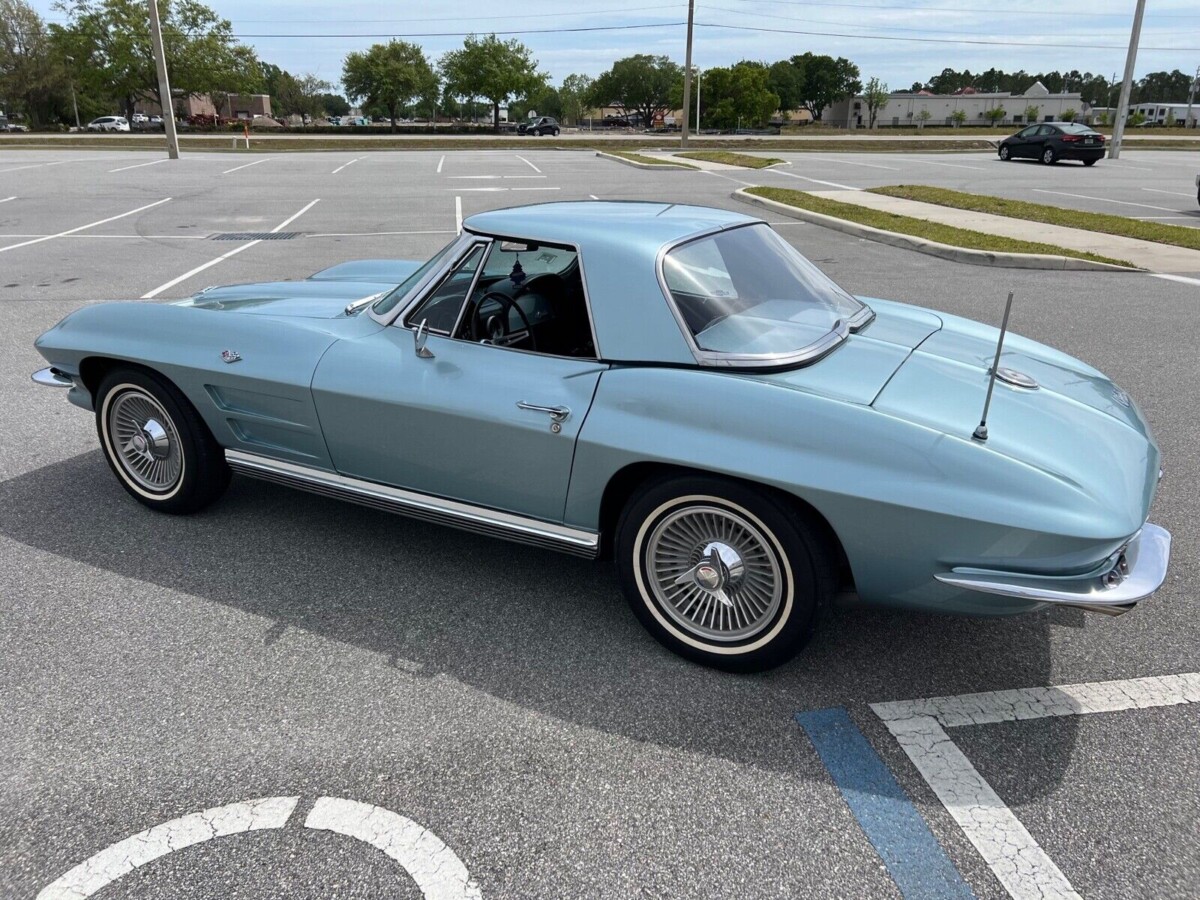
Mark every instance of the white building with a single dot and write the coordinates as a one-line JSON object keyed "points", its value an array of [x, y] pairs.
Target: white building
{"points": [[1158, 113], [905, 109]]}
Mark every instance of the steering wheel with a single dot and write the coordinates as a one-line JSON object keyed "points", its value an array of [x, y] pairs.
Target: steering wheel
{"points": [[495, 329]]}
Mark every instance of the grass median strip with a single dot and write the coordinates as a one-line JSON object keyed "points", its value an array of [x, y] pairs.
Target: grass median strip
{"points": [[732, 159], [930, 231], [1177, 235], [647, 160]]}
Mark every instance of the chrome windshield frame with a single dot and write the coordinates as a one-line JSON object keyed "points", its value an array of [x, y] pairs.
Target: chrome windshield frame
{"points": [[823, 346], [458, 248]]}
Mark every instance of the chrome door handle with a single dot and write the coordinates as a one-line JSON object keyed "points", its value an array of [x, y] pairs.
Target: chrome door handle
{"points": [[557, 413]]}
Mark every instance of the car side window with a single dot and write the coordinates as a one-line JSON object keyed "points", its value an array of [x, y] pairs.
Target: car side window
{"points": [[1028, 132], [439, 310], [1046, 131]]}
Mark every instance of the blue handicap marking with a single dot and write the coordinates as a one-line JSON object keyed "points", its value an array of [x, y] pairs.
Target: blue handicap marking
{"points": [[914, 858]]}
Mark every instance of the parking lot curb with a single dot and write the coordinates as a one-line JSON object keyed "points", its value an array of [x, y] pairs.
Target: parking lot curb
{"points": [[638, 165], [933, 248]]}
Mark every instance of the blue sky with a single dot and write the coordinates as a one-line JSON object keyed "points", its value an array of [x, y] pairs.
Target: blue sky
{"points": [[319, 25]]}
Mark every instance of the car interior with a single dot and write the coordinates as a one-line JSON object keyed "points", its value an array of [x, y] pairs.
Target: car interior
{"points": [[528, 296]]}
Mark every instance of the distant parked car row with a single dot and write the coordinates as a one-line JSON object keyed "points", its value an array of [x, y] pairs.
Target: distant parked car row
{"points": [[7, 126]]}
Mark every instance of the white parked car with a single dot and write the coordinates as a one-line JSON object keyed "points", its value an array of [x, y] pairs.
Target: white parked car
{"points": [[140, 117], [109, 123]]}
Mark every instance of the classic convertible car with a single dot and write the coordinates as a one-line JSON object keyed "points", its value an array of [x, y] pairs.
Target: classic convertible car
{"points": [[673, 387]]}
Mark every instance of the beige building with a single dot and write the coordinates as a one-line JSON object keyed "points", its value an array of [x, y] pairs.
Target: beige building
{"points": [[903, 110], [232, 106]]}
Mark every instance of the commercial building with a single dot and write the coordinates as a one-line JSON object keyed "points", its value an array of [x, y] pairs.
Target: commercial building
{"points": [[905, 109], [228, 106]]}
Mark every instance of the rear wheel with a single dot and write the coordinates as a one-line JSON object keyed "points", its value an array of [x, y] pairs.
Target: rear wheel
{"points": [[1048, 156], [722, 573], [156, 443], [1089, 162]]}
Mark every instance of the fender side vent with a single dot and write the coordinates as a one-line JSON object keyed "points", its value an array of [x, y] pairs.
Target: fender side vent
{"points": [[256, 235]]}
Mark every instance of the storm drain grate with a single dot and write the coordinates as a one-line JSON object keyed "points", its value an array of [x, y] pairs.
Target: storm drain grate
{"points": [[256, 235]]}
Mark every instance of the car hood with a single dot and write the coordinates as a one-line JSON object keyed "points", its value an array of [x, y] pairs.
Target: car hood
{"points": [[1075, 426], [306, 299]]}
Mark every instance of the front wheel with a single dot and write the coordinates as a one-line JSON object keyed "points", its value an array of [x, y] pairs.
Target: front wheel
{"points": [[1048, 156], [1089, 162], [1005, 153], [722, 573], [156, 443]]}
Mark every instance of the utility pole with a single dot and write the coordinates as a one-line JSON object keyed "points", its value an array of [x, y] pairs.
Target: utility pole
{"points": [[687, 76], [1114, 149], [164, 86], [74, 104], [1187, 119], [697, 100]]}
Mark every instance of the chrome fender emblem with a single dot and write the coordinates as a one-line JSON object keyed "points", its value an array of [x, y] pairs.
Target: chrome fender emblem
{"points": [[230, 356]]}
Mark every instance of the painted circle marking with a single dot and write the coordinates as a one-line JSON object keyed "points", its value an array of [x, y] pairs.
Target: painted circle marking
{"points": [[435, 868]]}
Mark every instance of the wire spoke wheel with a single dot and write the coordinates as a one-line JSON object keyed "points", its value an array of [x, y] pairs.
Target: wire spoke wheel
{"points": [[145, 440], [713, 572]]}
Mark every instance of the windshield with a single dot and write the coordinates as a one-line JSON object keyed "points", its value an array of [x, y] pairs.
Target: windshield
{"points": [[388, 302], [748, 295]]}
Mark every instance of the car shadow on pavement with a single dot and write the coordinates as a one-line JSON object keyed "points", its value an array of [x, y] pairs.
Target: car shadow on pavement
{"points": [[547, 632]]}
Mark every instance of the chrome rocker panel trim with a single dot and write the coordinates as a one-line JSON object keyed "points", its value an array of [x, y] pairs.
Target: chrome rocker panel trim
{"points": [[1146, 558], [52, 377], [437, 510]]}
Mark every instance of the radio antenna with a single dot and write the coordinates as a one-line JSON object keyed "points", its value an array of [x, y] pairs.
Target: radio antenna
{"points": [[981, 432]]}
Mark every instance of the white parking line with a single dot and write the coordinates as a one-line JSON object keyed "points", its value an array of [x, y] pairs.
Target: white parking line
{"points": [[491, 177], [593, 196], [458, 215], [929, 162], [494, 190], [847, 162], [234, 252], [1172, 193], [436, 869], [440, 161], [330, 234], [1161, 218], [527, 162], [6, 199], [339, 168], [1105, 200], [247, 165], [1182, 279], [123, 857], [116, 237], [1008, 848], [50, 237], [833, 184], [141, 165]]}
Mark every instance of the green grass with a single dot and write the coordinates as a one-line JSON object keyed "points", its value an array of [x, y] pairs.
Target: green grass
{"points": [[1176, 235], [646, 160], [930, 231], [732, 159]]}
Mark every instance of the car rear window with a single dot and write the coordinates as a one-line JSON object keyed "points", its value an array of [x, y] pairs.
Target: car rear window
{"points": [[1075, 128]]}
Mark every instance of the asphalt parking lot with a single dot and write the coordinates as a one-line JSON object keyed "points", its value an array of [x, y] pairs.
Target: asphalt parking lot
{"points": [[443, 715]]}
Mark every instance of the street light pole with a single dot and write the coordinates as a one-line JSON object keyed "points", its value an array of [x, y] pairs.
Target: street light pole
{"points": [[71, 79], [1187, 118], [1114, 149], [687, 76], [164, 86], [698, 74]]}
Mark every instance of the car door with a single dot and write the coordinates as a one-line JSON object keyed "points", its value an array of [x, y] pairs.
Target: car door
{"points": [[1021, 145], [475, 422]]}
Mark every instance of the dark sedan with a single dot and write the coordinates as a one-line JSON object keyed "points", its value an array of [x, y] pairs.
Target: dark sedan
{"points": [[1052, 141]]}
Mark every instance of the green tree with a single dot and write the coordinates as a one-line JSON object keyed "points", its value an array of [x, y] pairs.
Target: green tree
{"points": [[1068, 115], [292, 95], [388, 76], [787, 83], [1031, 112], [995, 114], [876, 95], [574, 95], [641, 84], [825, 81], [31, 73], [492, 69], [738, 96], [334, 105], [1162, 87], [922, 117], [110, 40], [959, 117]]}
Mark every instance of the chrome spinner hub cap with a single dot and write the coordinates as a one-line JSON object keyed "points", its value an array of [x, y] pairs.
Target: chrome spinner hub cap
{"points": [[713, 572], [146, 443]]}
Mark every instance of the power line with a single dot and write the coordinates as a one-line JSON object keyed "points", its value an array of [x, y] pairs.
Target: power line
{"points": [[916, 40], [971, 9]]}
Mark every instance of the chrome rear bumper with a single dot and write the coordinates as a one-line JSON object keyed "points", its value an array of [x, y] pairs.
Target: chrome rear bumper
{"points": [[1130, 575], [51, 377]]}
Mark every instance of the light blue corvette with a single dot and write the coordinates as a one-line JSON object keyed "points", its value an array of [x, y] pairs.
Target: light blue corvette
{"points": [[671, 386]]}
